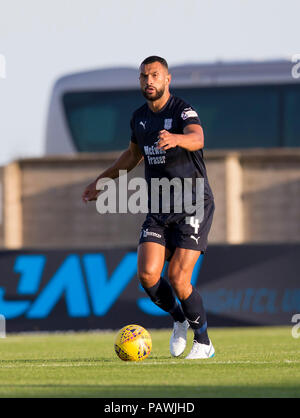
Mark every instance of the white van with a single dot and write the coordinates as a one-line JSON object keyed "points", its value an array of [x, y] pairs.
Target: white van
{"points": [[241, 105]]}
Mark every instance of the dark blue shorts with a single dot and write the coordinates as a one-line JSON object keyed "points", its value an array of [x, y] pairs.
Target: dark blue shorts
{"points": [[172, 231]]}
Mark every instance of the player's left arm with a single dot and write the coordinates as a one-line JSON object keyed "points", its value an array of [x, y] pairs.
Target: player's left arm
{"points": [[192, 138]]}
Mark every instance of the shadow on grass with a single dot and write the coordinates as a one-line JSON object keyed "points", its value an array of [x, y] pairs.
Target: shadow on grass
{"points": [[81, 360], [59, 360], [149, 391]]}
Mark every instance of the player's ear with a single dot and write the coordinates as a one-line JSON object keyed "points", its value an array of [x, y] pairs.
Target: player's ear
{"points": [[168, 78]]}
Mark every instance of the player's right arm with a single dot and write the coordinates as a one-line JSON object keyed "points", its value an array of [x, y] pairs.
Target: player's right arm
{"points": [[127, 161]]}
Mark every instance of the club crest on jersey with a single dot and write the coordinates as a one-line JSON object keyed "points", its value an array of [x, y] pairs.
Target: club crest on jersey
{"points": [[168, 124], [188, 113]]}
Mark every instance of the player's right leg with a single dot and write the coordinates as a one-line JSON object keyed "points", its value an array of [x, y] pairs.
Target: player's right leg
{"points": [[151, 259]]}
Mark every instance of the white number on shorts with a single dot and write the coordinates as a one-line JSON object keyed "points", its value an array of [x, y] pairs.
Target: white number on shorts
{"points": [[194, 222]]}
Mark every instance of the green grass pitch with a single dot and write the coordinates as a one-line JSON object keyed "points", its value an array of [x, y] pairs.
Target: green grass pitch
{"points": [[249, 362]]}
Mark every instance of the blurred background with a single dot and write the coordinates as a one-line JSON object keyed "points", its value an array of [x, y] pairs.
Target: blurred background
{"points": [[68, 87]]}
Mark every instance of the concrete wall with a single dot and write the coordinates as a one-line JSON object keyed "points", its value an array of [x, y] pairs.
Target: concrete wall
{"points": [[256, 195], [271, 196]]}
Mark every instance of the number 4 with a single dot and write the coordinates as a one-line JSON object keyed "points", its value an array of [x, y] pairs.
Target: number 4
{"points": [[194, 222]]}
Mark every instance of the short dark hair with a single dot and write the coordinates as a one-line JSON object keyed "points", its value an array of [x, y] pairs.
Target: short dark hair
{"points": [[155, 58]]}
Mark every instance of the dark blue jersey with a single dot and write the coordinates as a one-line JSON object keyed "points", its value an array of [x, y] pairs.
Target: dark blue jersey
{"points": [[175, 162]]}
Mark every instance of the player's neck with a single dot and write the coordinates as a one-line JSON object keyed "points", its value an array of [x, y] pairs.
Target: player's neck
{"points": [[157, 105]]}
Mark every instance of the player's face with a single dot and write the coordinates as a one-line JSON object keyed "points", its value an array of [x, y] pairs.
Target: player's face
{"points": [[154, 80]]}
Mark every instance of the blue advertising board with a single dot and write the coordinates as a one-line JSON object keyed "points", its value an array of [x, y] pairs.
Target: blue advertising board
{"points": [[79, 290]]}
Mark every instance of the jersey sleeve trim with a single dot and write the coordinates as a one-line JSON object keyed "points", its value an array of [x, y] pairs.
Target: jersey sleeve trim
{"points": [[191, 121]]}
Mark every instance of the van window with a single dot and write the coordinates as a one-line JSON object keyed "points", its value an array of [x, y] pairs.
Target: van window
{"points": [[100, 121], [237, 117], [292, 116], [232, 117]]}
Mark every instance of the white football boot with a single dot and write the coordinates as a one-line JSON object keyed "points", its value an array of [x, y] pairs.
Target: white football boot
{"points": [[201, 351], [178, 338]]}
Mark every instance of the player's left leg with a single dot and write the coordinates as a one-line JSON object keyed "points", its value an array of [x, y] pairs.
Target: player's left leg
{"points": [[180, 272]]}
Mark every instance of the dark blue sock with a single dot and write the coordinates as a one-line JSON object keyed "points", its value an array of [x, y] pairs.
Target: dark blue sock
{"points": [[163, 296], [194, 312]]}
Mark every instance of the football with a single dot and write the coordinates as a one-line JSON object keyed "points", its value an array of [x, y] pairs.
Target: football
{"points": [[133, 343]]}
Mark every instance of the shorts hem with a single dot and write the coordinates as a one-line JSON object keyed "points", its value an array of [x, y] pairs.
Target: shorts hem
{"points": [[182, 246], [156, 242]]}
